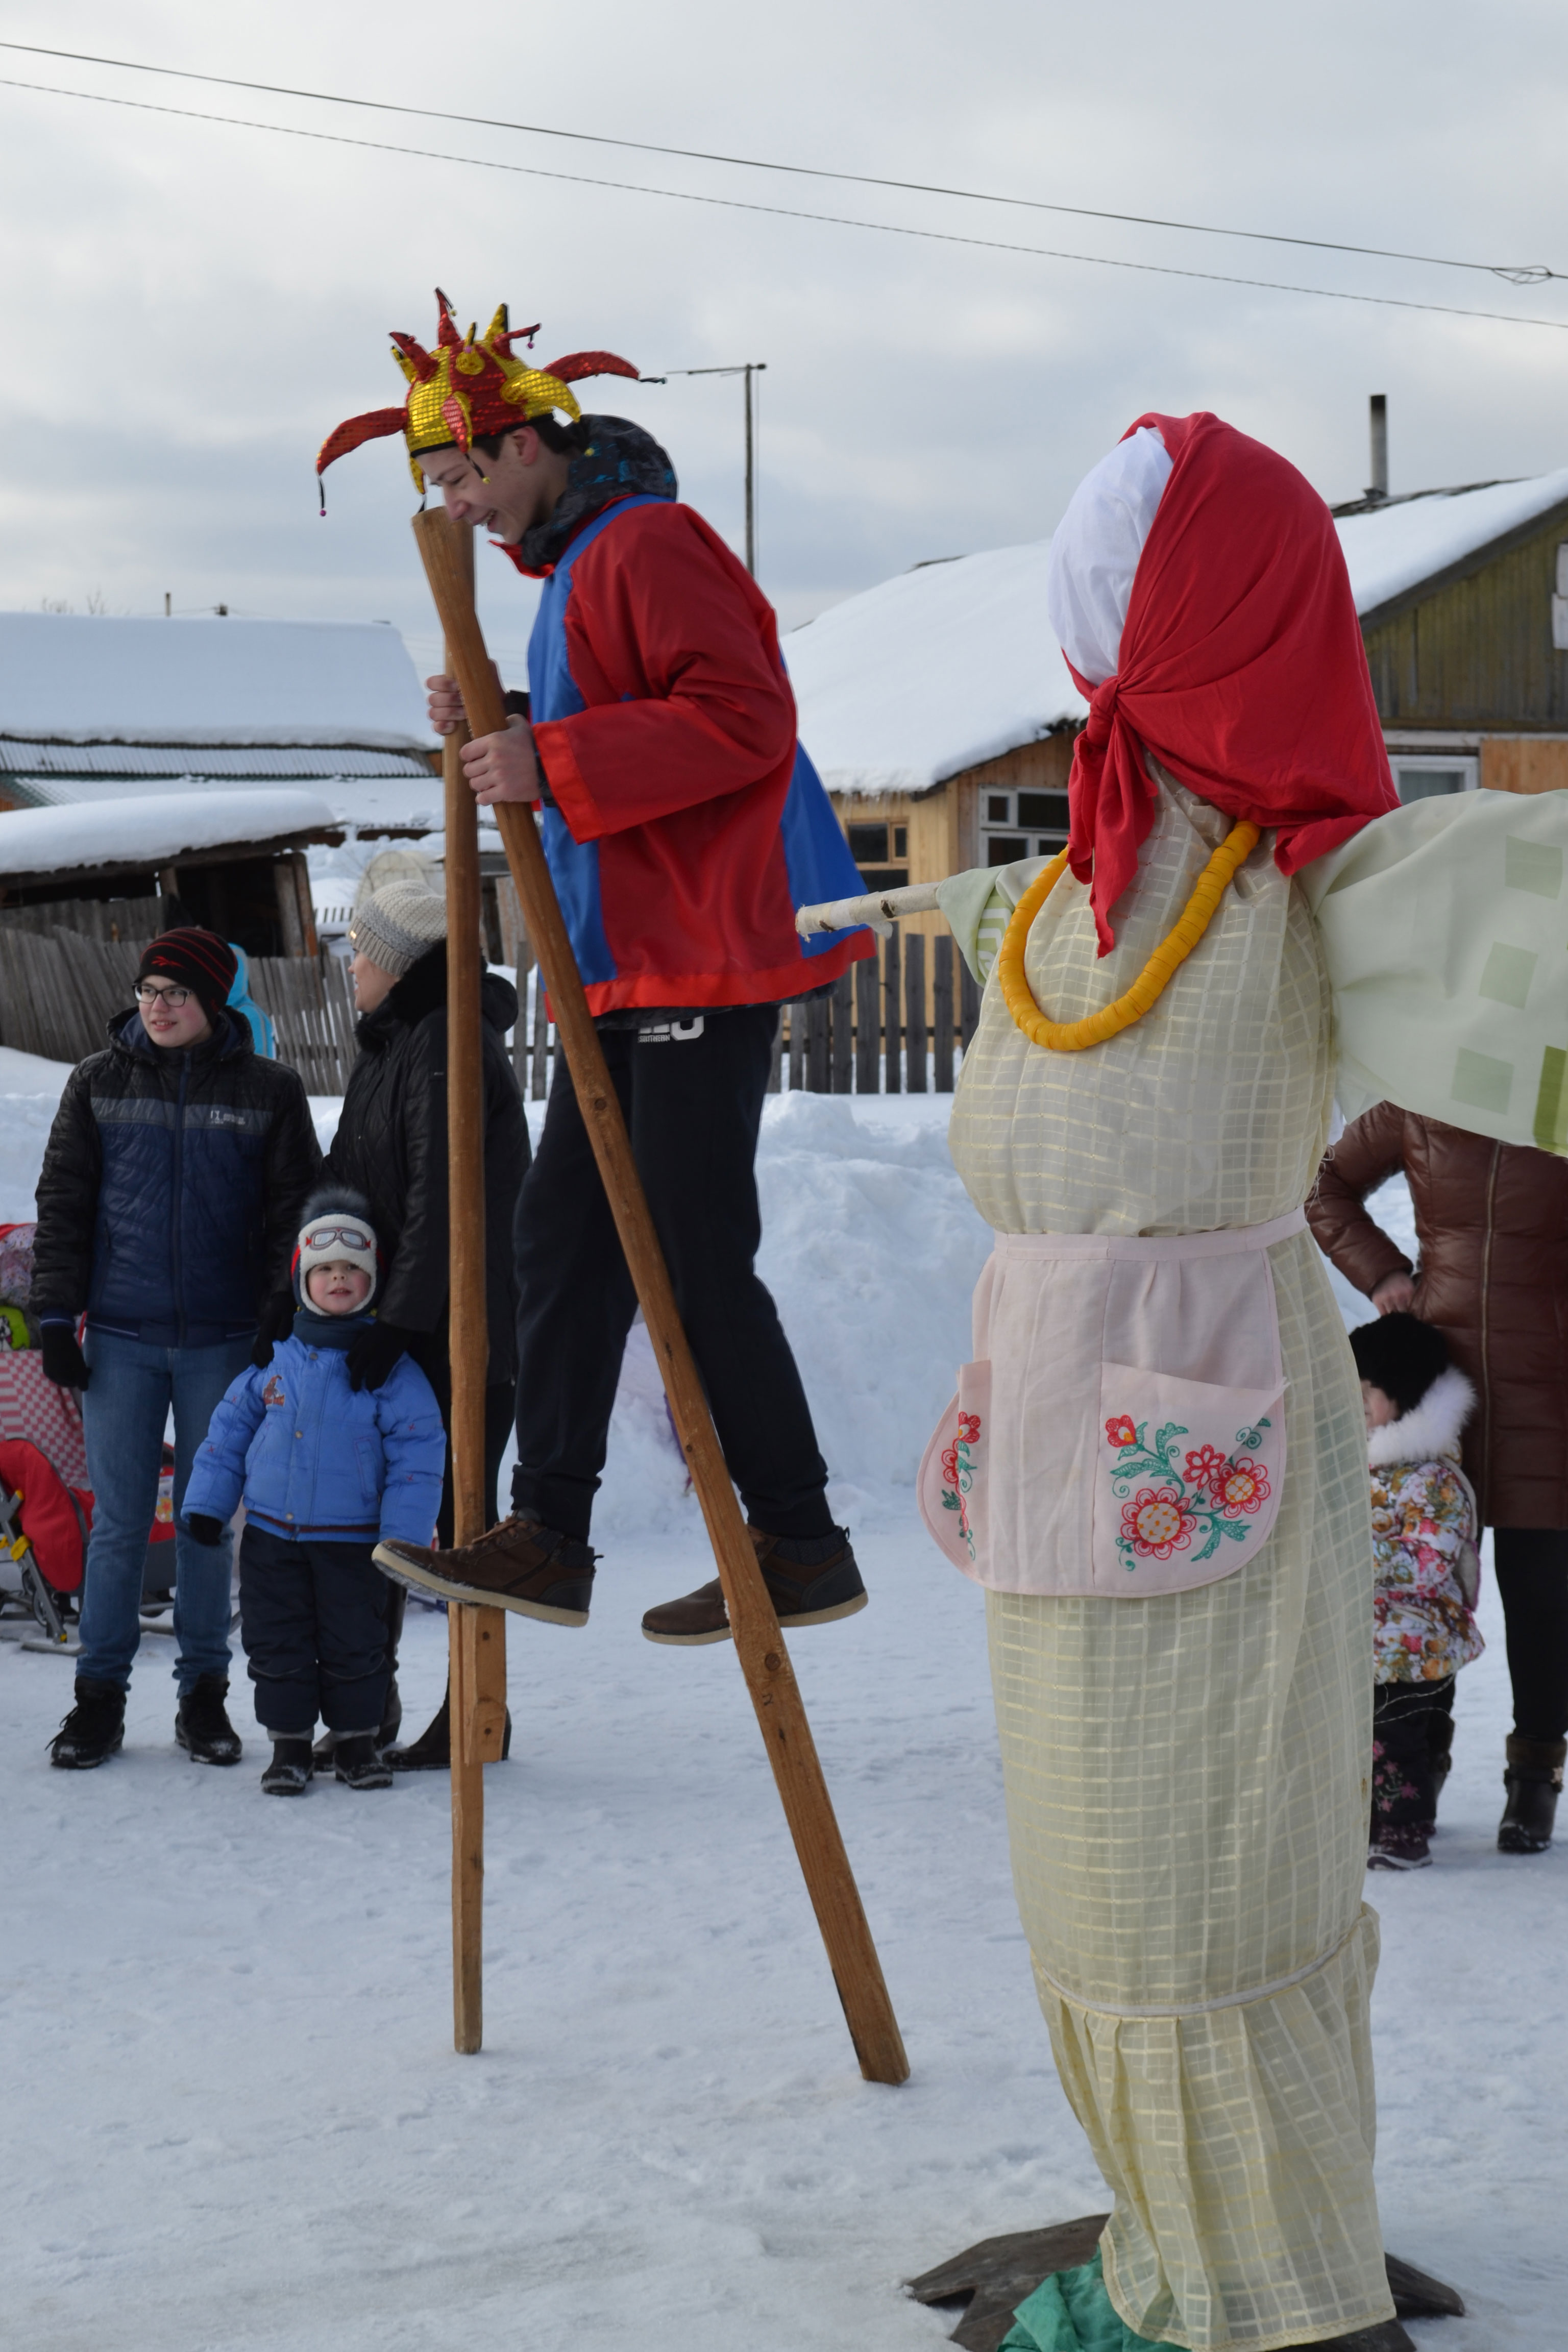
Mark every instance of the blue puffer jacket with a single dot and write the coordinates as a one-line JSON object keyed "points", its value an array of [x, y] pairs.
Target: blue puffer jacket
{"points": [[316, 1460], [172, 1187]]}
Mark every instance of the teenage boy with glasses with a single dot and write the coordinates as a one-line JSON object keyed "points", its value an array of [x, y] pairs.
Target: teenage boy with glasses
{"points": [[170, 1198]]}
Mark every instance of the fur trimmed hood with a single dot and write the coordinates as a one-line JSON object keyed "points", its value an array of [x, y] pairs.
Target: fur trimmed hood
{"points": [[1430, 1431]]}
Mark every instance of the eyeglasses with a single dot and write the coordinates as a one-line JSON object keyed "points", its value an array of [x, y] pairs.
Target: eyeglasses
{"points": [[323, 1238], [146, 993]]}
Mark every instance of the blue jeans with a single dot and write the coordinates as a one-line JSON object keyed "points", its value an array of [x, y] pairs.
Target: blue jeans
{"points": [[124, 1411]]}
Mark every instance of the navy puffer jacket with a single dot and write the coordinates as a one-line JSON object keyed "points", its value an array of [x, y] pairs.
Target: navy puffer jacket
{"points": [[172, 1187]]}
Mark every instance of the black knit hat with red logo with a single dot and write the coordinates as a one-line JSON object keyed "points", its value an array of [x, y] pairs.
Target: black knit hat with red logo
{"points": [[194, 959]]}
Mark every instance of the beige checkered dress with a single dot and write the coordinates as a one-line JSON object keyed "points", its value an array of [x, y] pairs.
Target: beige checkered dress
{"points": [[1185, 1773]]}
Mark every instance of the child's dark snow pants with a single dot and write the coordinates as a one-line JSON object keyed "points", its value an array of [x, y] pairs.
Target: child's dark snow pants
{"points": [[313, 1620]]}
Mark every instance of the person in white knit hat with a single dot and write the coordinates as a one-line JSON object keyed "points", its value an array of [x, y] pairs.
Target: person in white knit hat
{"points": [[390, 932], [391, 1145]]}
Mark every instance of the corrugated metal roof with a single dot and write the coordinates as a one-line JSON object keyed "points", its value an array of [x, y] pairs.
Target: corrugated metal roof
{"points": [[22, 757]]}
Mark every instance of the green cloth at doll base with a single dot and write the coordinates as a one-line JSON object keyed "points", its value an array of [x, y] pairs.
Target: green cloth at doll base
{"points": [[1071, 2312]]}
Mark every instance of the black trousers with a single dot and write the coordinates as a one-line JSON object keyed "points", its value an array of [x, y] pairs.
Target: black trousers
{"points": [[1531, 1566], [692, 1105], [313, 1620], [1412, 1732]]}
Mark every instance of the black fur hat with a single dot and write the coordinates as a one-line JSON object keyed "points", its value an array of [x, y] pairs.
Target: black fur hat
{"points": [[1400, 1355]]}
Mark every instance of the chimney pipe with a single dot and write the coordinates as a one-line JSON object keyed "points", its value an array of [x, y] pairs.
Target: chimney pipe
{"points": [[1378, 488]]}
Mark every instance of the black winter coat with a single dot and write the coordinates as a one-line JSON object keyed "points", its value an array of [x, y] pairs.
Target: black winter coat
{"points": [[391, 1145], [169, 1203]]}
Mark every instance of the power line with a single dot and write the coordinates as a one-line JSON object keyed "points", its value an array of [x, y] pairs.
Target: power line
{"points": [[1533, 274], [779, 212]]}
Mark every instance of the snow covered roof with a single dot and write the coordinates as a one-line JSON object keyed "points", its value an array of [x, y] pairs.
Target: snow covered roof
{"points": [[931, 673], [1392, 549], [73, 679], [402, 796], [151, 829]]}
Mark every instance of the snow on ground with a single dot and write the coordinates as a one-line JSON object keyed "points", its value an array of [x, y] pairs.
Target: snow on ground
{"points": [[238, 2123]]}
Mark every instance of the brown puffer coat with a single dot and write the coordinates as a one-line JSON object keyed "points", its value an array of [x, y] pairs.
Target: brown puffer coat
{"points": [[1492, 1223]]}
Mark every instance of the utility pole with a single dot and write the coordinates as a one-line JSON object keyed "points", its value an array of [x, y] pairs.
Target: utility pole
{"points": [[747, 369]]}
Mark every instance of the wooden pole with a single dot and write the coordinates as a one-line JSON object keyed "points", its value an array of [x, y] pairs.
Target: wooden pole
{"points": [[476, 1638], [759, 1645]]}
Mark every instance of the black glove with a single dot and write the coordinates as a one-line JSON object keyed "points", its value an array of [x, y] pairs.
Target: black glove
{"points": [[64, 1362], [373, 1351], [206, 1530], [274, 1323]]}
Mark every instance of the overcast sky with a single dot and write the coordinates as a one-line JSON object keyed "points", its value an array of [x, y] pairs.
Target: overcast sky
{"points": [[192, 307]]}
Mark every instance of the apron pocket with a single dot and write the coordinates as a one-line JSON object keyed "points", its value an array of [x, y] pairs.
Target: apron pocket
{"points": [[1187, 1480], [951, 1482]]}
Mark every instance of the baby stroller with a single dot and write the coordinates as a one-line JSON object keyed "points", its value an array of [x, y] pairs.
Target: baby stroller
{"points": [[46, 1503]]}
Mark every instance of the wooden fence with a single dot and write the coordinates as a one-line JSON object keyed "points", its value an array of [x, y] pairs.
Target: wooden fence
{"points": [[880, 1029], [60, 990], [877, 1030]]}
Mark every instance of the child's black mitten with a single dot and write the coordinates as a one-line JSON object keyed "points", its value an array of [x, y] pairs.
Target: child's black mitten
{"points": [[373, 1351], [274, 1323], [209, 1531]]}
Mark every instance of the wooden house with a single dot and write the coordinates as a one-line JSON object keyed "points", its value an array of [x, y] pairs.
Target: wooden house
{"points": [[941, 716], [1463, 599]]}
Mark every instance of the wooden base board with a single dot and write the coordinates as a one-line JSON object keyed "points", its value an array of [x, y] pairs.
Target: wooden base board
{"points": [[999, 2273]]}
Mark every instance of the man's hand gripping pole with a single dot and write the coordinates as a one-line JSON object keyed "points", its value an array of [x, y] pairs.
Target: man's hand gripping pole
{"points": [[764, 1660]]}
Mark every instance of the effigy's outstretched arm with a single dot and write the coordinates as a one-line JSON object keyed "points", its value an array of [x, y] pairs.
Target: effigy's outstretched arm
{"points": [[977, 905], [1445, 934]]}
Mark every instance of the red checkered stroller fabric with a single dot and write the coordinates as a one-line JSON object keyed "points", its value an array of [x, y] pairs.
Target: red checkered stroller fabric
{"points": [[43, 1450]]}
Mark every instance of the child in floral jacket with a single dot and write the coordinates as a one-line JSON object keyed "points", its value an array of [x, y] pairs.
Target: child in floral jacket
{"points": [[1427, 1572]]}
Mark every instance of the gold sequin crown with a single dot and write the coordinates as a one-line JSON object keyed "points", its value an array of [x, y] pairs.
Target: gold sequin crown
{"points": [[469, 387]]}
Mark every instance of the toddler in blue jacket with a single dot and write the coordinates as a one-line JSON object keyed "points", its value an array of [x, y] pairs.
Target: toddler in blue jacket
{"points": [[327, 1471]]}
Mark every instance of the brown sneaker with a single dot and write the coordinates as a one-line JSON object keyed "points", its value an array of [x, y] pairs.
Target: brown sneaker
{"points": [[809, 1584], [519, 1565]]}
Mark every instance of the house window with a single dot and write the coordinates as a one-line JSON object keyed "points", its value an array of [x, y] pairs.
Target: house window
{"points": [[1048, 810], [1022, 824], [1560, 605], [900, 841], [1430, 776], [868, 844]]}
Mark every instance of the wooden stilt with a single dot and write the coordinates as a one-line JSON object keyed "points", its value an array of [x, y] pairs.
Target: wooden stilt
{"points": [[476, 1637], [759, 1645]]}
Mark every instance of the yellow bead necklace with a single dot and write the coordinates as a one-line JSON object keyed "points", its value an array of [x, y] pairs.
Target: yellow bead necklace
{"points": [[1072, 1036]]}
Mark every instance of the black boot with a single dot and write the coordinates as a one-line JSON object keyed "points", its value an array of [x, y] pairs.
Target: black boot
{"points": [[358, 1763], [202, 1726], [93, 1730], [289, 1774], [432, 1751], [1533, 1778]]}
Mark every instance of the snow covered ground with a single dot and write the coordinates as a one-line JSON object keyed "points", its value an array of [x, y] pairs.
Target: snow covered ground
{"points": [[236, 2121]]}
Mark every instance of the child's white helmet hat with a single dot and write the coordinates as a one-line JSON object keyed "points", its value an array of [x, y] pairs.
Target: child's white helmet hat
{"points": [[337, 1228]]}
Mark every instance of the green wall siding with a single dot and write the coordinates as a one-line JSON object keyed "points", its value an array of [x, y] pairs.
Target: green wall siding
{"points": [[1477, 653]]}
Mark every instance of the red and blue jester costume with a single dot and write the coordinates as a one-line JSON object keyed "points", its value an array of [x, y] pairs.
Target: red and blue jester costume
{"points": [[688, 823]]}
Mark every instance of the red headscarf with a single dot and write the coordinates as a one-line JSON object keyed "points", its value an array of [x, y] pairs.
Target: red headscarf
{"points": [[1241, 669]]}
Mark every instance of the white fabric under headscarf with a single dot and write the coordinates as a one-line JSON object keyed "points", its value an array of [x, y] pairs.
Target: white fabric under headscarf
{"points": [[1094, 552]]}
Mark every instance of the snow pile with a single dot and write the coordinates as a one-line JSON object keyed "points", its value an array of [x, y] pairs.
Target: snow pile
{"points": [[150, 828], [75, 679], [930, 673], [1401, 544], [872, 1249]]}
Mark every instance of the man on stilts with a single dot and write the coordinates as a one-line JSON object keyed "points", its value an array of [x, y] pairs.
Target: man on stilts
{"points": [[683, 825]]}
